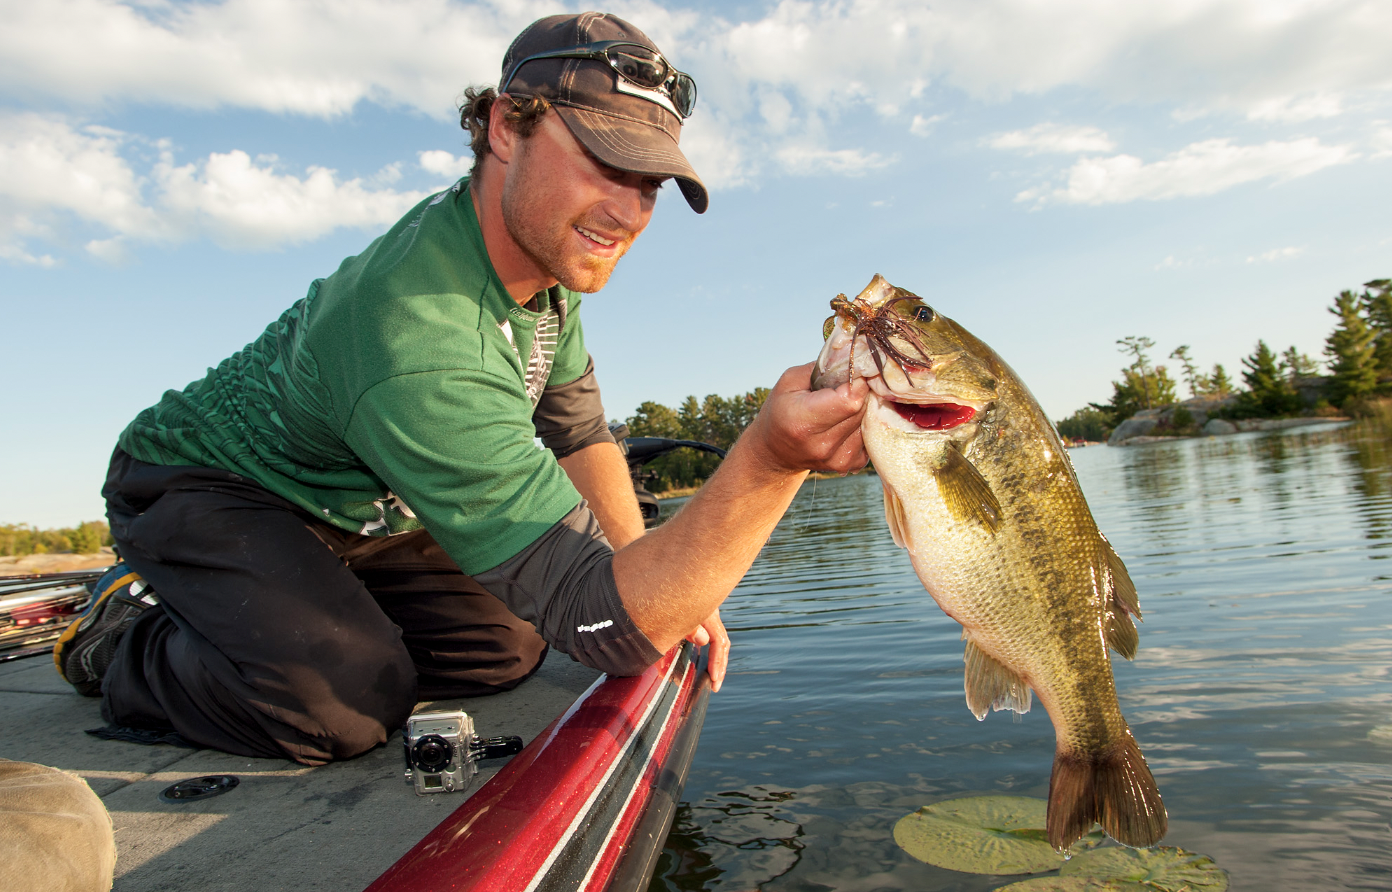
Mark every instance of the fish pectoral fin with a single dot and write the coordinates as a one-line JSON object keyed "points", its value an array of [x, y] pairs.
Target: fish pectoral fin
{"points": [[1122, 636], [895, 517], [1122, 604], [1123, 589], [992, 685], [965, 492]]}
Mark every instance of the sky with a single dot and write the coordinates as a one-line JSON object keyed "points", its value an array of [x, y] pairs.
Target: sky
{"points": [[1053, 174]]}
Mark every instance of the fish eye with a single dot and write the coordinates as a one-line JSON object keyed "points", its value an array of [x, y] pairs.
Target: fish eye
{"points": [[925, 313], [828, 326]]}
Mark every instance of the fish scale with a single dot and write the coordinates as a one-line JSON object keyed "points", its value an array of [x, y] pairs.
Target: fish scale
{"points": [[1001, 536]]}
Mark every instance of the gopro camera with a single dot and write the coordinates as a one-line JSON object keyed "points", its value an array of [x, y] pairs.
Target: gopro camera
{"points": [[442, 751]]}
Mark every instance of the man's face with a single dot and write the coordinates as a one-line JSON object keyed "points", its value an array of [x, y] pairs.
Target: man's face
{"points": [[573, 216]]}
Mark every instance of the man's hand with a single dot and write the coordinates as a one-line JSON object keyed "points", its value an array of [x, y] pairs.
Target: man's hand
{"points": [[712, 632], [800, 429]]}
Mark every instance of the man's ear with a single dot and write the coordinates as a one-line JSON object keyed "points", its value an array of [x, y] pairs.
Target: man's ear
{"points": [[502, 138]]}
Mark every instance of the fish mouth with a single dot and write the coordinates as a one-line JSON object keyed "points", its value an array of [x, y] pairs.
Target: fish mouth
{"points": [[922, 413], [933, 416], [907, 408]]}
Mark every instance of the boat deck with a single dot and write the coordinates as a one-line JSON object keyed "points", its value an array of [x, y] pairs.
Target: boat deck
{"points": [[284, 826]]}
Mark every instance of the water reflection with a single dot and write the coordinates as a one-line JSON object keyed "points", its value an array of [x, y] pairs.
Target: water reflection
{"points": [[1262, 692]]}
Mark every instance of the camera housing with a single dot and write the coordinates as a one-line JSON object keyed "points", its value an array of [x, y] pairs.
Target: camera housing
{"points": [[441, 752]]}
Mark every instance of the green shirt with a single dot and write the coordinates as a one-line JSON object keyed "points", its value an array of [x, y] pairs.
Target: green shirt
{"points": [[406, 378]]}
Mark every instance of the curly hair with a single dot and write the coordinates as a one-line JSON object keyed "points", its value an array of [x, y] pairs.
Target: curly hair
{"points": [[477, 107]]}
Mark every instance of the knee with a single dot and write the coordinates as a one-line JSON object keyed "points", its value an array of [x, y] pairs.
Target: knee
{"points": [[357, 710]]}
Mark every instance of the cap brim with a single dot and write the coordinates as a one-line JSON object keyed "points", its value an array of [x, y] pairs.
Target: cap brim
{"points": [[636, 147]]}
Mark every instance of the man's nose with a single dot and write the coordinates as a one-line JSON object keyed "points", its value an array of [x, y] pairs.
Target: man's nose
{"points": [[627, 204]]}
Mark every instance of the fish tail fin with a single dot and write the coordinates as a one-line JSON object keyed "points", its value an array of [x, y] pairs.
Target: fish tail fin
{"points": [[1115, 789]]}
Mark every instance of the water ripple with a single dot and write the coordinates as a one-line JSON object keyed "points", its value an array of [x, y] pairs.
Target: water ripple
{"points": [[1262, 692]]}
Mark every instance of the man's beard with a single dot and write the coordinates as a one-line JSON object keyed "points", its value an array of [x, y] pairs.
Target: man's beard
{"points": [[548, 243]]}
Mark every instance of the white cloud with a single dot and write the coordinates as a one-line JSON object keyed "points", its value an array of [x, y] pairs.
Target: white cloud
{"points": [[1295, 109], [242, 204], [1058, 138], [315, 58], [784, 78], [1382, 140], [52, 170], [1199, 169], [1276, 254], [717, 151], [921, 126], [803, 160], [445, 164], [1294, 60]]}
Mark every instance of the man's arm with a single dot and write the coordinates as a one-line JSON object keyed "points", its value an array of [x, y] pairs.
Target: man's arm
{"points": [[600, 473], [674, 578]]}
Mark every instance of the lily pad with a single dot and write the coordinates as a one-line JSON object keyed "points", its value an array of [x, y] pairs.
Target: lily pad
{"points": [[1163, 869], [1073, 884], [999, 835]]}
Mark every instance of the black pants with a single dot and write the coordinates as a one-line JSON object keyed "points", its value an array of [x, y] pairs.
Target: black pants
{"points": [[278, 635]]}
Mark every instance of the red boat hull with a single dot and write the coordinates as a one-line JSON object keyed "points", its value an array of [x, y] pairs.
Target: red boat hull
{"points": [[585, 806]]}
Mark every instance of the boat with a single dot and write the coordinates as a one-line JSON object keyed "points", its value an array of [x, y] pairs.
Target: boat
{"points": [[585, 805]]}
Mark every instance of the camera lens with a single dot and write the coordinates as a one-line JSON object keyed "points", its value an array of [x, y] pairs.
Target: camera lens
{"points": [[432, 752]]}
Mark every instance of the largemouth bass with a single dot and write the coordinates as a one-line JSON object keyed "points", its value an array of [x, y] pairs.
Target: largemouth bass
{"points": [[979, 489]]}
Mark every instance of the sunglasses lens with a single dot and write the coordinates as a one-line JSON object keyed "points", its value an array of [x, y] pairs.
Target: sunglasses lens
{"points": [[644, 68], [684, 94]]}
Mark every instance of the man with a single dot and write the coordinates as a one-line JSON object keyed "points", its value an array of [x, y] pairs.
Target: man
{"points": [[294, 526]]}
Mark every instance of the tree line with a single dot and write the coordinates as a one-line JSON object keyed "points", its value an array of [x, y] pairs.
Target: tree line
{"points": [[85, 538], [716, 420], [1358, 358]]}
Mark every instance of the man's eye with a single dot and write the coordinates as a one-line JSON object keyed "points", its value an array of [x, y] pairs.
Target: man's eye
{"points": [[652, 184]]}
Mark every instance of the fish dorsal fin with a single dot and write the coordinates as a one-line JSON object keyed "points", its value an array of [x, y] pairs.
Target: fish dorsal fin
{"points": [[965, 492], [1122, 604], [895, 517], [990, 685]]}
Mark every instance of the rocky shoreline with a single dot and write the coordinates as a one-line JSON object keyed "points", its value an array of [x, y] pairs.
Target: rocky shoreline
{"points": [[1217, 427], [1201, 416]]}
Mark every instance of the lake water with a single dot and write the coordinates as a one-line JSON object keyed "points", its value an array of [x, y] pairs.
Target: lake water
{"points": [[1261, 695]]}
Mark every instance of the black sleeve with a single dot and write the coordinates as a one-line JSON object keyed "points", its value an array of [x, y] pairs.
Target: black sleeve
{"points": [[564, 585], [570, 416]]}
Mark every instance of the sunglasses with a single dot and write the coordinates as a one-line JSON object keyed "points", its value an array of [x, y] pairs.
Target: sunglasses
{"points": [[656, 79]]}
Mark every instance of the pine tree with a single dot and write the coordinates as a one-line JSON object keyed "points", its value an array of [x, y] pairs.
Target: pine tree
{"points": [[1377, 305], [1269, 392], [1297, 364], [1219, 384], [1140, 374], [1137, 391], [1351, 350], [1192, 376]]}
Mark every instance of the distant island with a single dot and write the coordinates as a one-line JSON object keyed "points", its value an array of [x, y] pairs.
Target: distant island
{"points": [[1285, 390]]}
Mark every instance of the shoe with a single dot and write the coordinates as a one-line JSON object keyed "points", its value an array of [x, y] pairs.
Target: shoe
{"points": [[86, 648]]}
